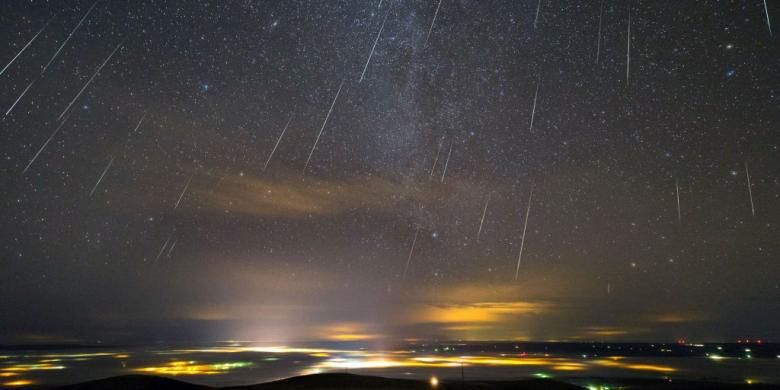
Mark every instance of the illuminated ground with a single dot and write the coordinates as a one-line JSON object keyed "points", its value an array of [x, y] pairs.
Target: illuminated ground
{"points": [[240, 364]]}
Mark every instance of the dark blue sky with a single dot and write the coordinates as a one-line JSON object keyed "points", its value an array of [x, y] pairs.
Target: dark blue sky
{"points": [[142, 211]]}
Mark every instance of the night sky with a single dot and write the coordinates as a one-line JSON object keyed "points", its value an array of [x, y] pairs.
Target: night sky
{"points": [[147, 195]]}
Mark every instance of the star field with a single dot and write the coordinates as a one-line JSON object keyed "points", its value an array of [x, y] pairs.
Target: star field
{"points": [[274, 170]]}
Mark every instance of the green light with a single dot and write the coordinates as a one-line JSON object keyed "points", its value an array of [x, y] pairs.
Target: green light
{"points": [[232, 365], [541, 375]]}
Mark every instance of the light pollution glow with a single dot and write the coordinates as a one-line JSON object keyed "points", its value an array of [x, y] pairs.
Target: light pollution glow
{"points": [[45, 364], [20, 382], [339, 359], [193, 368], [554, 363], [243, 359], [19, 369], [31, 367]]}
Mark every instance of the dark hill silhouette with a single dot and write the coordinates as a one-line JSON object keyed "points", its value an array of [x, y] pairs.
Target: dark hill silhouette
{"points": [[351, 381], [134, 382], [319, 382], [355, 382]]}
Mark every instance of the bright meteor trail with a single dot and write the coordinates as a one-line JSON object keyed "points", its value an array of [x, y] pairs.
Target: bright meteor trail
{"points": [[533, 109], [598, 41], [433, 22], [411, 251], [38, 153], [525, 228], [536, 17], [482, 220], [446, 163], [374, 47], [628, 46], [90, 80], [26, 46], [101, 176], [677, 194], [19, 98], [65, 42], [333, 104], [138, 126], [183, 191], [768, 21], [277, 142], [750, 190], [436, 159]]}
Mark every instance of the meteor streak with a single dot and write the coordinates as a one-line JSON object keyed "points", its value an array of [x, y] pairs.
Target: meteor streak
{"points": [[435, 160], [628, 46], [768, 22], [598, 42], [677, 192], [171, 248], [65, 42], [525, 227], [19, 98], [533, 109], [101, 176], [26, 46], [277, 143], [411, 251], [750, 190], [323, 126], [482, 221], [374, 47], [536, 18], [46, 143], [436, 13], [163, 248], [90, 80], [138, 126], [446, 163], [184, 191]]}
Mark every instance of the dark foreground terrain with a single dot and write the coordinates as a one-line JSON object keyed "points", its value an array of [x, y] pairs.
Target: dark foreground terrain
{"points": [[350, 381]]}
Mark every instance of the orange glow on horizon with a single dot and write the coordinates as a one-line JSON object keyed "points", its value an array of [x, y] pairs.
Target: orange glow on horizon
{"points": [[193, 368], [615, 362], [480, 312], [19, 382], [357, 359], [31, 367]]}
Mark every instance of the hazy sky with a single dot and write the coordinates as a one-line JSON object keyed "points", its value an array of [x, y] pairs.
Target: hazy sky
{"points": [[137, 205]]}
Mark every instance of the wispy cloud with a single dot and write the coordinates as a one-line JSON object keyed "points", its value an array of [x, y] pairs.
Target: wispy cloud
{"points": [[295, 196], [676, 318], [479, 312]]}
